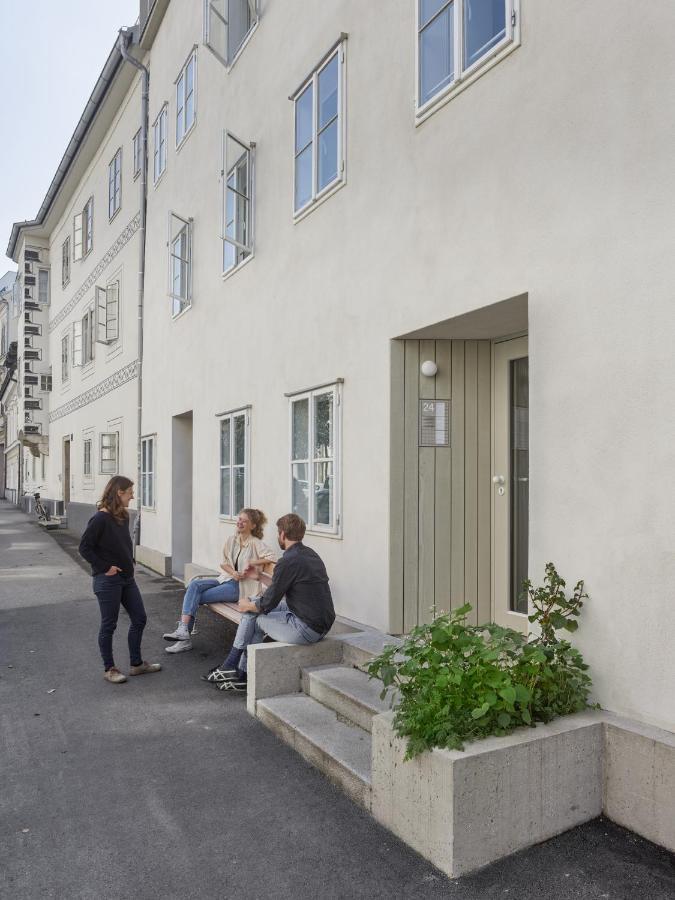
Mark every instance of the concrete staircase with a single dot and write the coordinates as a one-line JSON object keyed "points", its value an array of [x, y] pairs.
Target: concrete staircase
{"points": [[329, 722]]}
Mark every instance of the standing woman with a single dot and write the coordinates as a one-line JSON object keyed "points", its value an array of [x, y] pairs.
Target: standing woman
{"points": [[106, 545]]}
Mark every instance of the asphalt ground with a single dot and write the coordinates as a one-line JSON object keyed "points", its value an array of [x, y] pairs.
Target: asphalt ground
{"points": [[166, 788]]}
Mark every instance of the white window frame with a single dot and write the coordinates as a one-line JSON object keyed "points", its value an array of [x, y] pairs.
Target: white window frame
{"points": [[148, 499], [115, 184], [43, 295], [112, 440], [137, 152], [312, 81], [177, 225], [65, 262], [88, 334], [65, 357], [334, 529], [159, 150], [243, 251], [463, 76], [211, 10], [46, 383], [182, 125], [83, 231], [107, 313], [227, 419], [87, 471]]}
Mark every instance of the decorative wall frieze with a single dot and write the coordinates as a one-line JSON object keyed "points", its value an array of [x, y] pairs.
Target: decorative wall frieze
{"points": [[117, 379], [102, 264]]}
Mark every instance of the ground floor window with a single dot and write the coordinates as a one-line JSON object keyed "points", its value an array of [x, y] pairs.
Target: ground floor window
{"points": [[315, 459], [86, 456], [109, 453], [234, 466], [148, 472]]}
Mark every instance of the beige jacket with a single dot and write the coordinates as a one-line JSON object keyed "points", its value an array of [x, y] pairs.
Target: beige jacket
{"points": [[254, 548]]}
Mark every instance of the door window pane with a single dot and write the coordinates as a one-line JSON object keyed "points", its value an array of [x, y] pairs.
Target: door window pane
{"points": [[484, 26], [436, 53], [300, 492], [301, 429], [520, 473]]}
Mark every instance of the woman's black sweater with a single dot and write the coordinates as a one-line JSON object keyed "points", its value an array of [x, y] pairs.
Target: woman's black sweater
{"points": [[107, 543]]}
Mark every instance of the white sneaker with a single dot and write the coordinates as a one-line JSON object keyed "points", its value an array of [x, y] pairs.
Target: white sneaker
{"points": [[180, 634], [179, 646]]}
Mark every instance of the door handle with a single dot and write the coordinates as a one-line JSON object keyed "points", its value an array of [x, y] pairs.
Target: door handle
{"points": [[498, 479]]}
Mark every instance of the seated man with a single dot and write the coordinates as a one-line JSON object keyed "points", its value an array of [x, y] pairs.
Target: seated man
{"points": [[305, 616]]}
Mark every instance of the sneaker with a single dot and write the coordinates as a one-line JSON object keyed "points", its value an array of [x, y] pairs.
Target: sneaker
{"points": [[217, 675], [179, 647], [114, 676], [145, 668], [232, 685], [180, 634]]}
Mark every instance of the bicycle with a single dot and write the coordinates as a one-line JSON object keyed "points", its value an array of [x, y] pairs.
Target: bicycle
{"points": [[41, 510]]}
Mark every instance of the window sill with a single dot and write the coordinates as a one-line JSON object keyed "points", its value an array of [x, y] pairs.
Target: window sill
{"points": [[157, 183], [181, 143], [237, 268], [181, 313], [148, 509], [333, 535], [320, 199], [422, 113]]}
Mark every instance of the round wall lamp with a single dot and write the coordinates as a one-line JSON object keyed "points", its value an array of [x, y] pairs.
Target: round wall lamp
{"points": [[428, 368]]}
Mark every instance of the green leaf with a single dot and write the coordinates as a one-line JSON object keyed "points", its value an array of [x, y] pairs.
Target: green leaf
{"points": [[503, 719], [480, 712], [571, 625], [522, 694], [526, 716], [509, 694]]}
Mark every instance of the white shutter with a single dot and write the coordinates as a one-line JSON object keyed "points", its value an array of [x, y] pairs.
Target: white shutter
{"points": [[77, 236], [101, 316], [112, 311], [215, 27], [77, 343]]}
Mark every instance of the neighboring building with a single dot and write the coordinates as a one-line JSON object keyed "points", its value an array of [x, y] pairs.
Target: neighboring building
{"points": [[385, 256], [9, 316]]}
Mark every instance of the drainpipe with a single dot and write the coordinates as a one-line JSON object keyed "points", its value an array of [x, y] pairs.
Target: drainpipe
{"points": [[125, 38]]}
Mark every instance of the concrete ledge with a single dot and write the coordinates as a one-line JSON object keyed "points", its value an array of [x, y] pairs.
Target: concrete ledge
{"points": [[194, 570], [276, 669], [153, 559]]}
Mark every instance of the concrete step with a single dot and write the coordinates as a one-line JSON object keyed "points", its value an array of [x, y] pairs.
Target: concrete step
{"points": [[359, 649], [338, 749], [347, 691]]}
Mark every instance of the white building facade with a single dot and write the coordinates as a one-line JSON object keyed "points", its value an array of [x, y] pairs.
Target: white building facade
{"points": [[409, 276]]}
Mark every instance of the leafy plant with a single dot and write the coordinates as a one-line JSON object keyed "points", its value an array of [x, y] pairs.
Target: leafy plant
{"points": [[453, 682]]}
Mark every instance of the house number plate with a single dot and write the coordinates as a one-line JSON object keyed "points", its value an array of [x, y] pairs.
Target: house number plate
{"points": [[434, 423]]}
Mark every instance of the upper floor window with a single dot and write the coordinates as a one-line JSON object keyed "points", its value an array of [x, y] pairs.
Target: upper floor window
{"points": [[115, 184], [159, 134], [83, 231], [185, 99], [86, 457], [65, 361], [237, 201], [454, 37], [43, 285], [227, 24], [315, 458], [65, 262], [107, 313], [319, 127], [87, 332], [138, 153], [180, 263], [234, 452]]}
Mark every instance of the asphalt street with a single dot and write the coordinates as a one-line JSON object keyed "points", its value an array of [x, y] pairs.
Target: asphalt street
{"points": [[166, 788]]}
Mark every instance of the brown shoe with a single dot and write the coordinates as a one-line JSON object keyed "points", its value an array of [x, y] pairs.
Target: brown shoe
{"points": [[114, 676], [144, 668]]}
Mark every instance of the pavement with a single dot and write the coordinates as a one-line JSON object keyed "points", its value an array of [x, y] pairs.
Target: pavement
{"points": [[164, 787]]}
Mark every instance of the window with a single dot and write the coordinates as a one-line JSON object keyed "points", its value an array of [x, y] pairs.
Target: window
{"points": [[115, 184], [319, 159], [234, 453], [65, 262], [159, 133], [138, 153], [109, 453], [237, 201], [227, 24], [43, 285], [180, 263], [314, 457], [107, 313], [28, 268], [86, 458], [85, 338], [185, 99], [83, 231], [45, 383], [148, 472], [456, 36], [65, 369]]}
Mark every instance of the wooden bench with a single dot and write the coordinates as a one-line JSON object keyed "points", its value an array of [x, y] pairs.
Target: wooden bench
{"points": [[226, 610]]}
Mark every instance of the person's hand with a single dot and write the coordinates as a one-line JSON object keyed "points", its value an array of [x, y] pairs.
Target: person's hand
{"points": [[222, 566], [247, 606], [113, 570], [251, 572]]}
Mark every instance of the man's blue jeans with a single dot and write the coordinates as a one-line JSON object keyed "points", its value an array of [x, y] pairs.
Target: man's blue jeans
{"points": [[208, 590], [280, 624]]}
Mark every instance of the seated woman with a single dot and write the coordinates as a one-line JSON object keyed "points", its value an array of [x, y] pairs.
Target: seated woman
{"points": [[242, 550]]}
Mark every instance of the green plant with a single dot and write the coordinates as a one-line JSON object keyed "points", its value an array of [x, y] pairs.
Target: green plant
{"points": [[454, 682]]}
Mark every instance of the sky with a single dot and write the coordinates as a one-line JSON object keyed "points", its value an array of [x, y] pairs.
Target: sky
{"points": [[52, 53]]}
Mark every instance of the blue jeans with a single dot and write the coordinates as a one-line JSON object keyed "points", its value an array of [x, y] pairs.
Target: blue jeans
{"points": [[208, 590], [280, 624], [113, 591]]}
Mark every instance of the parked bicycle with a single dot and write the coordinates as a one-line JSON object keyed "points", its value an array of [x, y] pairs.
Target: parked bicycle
{"points": [[40, 509]]}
